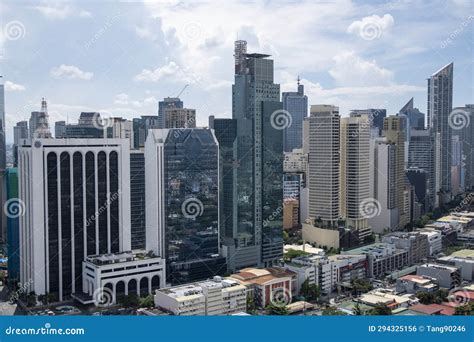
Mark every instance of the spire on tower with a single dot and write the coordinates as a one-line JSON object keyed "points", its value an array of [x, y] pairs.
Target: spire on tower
{"points": [[44, 106]]}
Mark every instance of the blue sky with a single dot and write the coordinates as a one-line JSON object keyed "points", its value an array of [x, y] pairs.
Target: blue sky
{"points": [[121, 58]]}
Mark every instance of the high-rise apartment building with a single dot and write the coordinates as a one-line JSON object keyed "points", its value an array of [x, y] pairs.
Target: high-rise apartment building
{"points": [[182, 196], [179, 118], [376, 117], [466, 134], [354, 172], [324, 164], [167, 103], [296, 104], [440, 105], [393, 131]]}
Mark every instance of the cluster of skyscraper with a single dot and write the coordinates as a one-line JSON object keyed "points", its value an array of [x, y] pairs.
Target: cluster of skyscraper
{"points": [[176, 203]]}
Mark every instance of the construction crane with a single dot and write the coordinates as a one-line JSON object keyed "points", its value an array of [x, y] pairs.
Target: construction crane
{"points": [[182, 90]]}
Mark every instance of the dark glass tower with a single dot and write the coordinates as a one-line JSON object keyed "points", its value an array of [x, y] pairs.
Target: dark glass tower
{"points": [[185, 202], [257, 197], [296, 103], [137, 199]]}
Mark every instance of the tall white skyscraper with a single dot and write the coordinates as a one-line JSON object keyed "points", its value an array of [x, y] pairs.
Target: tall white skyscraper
{"points": [[355, 168], [324, 164]]}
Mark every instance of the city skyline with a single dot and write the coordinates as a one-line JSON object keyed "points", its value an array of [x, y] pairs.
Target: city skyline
{"points": [[344, 61]]}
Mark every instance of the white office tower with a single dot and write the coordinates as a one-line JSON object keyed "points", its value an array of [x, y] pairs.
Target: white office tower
{"points": [[323, 161], [76, 200], [384, 216], [355, 169]]}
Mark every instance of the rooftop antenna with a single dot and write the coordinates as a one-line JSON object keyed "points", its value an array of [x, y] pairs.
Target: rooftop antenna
{"points": [[298, 80]]}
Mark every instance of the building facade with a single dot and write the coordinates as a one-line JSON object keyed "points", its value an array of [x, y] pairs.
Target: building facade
{"points": [[296, 104]]}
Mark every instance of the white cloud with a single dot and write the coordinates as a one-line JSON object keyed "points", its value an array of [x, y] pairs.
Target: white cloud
{"points": [[372, 27], [123, 99], [60, 10], [70, 72], [351, 70], [170, 71], [10, 86]]}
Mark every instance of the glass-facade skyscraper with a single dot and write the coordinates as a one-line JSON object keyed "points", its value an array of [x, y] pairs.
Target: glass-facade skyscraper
{"points": [[296, 103], [184, 193], [440, 105], [257, 176]]}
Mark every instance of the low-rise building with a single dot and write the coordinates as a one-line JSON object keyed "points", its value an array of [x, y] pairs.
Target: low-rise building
{"points": [[108, 276], [328, 272], [269, 285], [414, 242], [206, 298], [464, 260], [387, 297], [382, 258], [413, 284], [447, 276], [435, 241]]}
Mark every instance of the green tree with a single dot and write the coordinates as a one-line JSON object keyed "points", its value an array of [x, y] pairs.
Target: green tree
{"points": [[147, 302], [311, 292], [465, 310], [361, 286], [293, 253], [380, 310], [251, 307], [286, 237], [357, 310], [128, 301], [331, 311], [277, 310], [31, 299], [425, 297]]}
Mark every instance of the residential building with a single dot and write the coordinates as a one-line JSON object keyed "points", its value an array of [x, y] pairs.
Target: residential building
{"points": [[448, 277], [440, 105], [467, 138], [414, 242], [376, 117], [383, 186], [295, 161], [167, 103], [179, 118], [354, 173], [434, 240], [382, 258], [394, 133], [413, 284]]}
